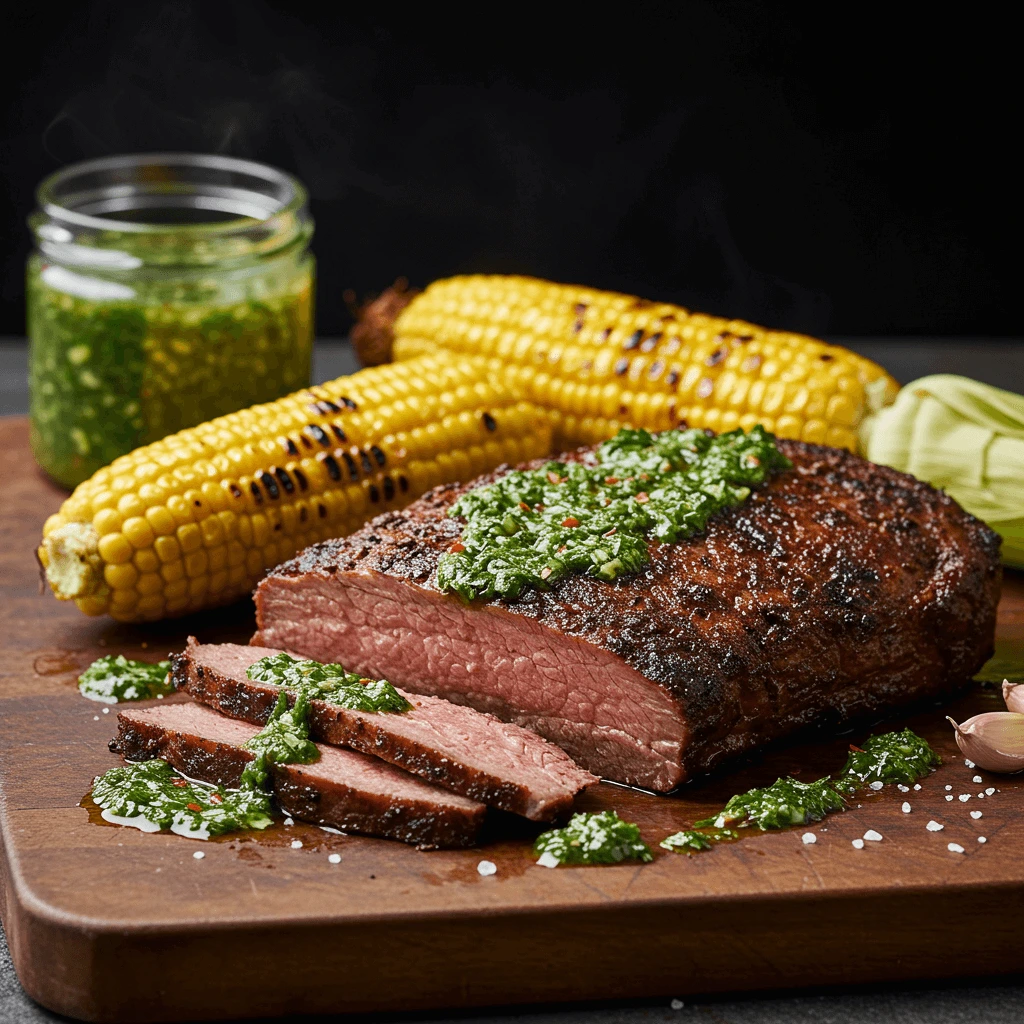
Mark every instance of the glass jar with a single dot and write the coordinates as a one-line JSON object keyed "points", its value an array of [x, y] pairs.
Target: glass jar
{"points": [[164, 290]]}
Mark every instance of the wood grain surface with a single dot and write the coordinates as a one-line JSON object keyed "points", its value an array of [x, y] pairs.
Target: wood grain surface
{"points": [[107, 923]]}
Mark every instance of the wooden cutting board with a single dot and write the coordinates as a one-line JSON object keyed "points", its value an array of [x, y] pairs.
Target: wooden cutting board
{"points": [[106, 923]]}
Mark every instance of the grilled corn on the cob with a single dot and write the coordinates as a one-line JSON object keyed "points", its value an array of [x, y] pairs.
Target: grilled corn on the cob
{"points": [[193, 520], [599, 361]]}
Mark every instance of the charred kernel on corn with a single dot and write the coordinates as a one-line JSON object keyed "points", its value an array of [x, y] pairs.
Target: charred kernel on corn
{"points": [[599, 361], [194, 520]]}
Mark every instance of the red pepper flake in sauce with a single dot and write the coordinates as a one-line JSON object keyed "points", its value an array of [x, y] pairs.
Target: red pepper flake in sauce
{"points": [[524, 506], [611, 480], [611, 533], [642, 497], [216, 798], [554, 478], [193, 807], [457, 547], [570, 521], [180, 783], [545, 572]]}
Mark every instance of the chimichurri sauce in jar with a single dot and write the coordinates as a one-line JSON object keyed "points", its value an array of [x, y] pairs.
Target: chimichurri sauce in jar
{"points": [[164, 290]]}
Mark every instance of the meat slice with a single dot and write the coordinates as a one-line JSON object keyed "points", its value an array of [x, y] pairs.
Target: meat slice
{"points": [[840, 590], [451, 745], [343, 790]]}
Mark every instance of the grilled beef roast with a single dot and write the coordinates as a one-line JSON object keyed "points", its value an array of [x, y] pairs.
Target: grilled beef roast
{"points": [[838, 591], [454, 746], [343, 790]]}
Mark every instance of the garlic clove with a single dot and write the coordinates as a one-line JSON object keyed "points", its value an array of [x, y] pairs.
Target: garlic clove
{"points": [[1013, 694], [993, 741]]}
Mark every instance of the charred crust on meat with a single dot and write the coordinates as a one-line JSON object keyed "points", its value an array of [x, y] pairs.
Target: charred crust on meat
{"points": [[814, 564]]}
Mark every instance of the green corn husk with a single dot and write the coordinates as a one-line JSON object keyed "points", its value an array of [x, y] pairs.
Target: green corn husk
{"points": [[967, 438]]}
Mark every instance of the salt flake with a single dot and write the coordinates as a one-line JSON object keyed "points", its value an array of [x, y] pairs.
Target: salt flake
{"points": [[334, 858], [964, 797], [989, 791], [872, 836], [982, 839], [876, 785], [809, 838], [296, 844], [955, 848], [917, 785], [858, 844], [199, 855], [977, 778], [975, 815], [934, 826], [949, 796], [906, 807], [547, 860], [487, 867]]}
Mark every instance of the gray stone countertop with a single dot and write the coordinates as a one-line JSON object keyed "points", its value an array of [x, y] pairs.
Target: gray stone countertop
{"points": [[998, 361]]}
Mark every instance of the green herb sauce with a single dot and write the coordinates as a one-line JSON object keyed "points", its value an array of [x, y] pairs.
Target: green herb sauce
{"points": [[593, 839], [533, 528], [152, 796], [285, 737], [115, 679], [330, 683], [117, 365], [785, 802], [893, 757], [692, 841]]}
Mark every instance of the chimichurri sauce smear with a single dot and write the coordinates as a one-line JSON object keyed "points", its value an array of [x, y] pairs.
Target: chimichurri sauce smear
{"points": [[152, 796], [115, 679], [893, 757], [592, 839], [330, 683], [532, 528]]}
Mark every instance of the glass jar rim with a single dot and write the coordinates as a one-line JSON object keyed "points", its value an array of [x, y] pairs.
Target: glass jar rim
{"points": [[287, 196], [163, 211]]}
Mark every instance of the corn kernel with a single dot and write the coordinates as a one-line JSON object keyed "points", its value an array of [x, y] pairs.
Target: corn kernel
{"points": [[146, 560], [138, 532], [172, 571], [115, 549], [123, 601], [151, 606], [120, 577], [196, 564], [130, 505], [190, 538], [92, 605], [160, 520], [149, 583], [107, 520], [167, 548], [212, 531]]}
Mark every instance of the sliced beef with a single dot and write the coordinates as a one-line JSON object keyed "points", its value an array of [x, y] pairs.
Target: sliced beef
{"points": [[840, 590], [343, 790], [454, 746]]}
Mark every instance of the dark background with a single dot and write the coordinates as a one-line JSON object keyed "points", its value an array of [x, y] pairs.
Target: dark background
{"points": [[830, 169]]}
